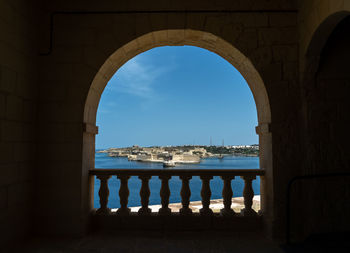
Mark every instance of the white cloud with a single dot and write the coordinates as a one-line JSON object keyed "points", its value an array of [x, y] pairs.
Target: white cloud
{"points": [[138, 78]]}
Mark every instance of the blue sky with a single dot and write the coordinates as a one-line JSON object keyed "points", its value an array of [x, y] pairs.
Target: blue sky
{"points": [[176, 96]]}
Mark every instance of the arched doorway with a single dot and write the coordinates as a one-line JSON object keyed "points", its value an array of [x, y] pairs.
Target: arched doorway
{"points": [[193, 38], [325, 89]]}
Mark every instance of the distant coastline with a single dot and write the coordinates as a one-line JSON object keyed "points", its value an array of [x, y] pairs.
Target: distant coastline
{"points": [[187, 154]]}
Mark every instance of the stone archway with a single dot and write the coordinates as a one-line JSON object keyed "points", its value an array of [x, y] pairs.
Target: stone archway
{"points": [[311, 70], [325, 88], [312, 50], [178, 38]]}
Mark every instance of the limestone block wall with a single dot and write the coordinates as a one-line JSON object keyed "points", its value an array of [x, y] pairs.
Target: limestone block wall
{"points": [[82, 44], [18, 94], [322, 204]]}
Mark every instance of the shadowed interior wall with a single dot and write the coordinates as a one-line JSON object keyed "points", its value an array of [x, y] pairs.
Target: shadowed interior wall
{"points": [[83, 43], [323, 205], [18, 93], [328, 104], [308, 120]]}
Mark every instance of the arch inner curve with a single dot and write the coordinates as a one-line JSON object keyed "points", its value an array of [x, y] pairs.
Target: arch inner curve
{"points": [[178, 38]]}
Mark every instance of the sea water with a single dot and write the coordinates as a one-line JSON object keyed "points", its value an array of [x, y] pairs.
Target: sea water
{"points": [[103, 161]]}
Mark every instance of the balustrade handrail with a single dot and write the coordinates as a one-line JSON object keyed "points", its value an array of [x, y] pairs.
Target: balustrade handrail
{"points": [[177, 172], [227, 175]]}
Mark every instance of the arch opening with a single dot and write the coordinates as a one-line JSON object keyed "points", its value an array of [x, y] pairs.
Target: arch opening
{"points": [[178, 38], [177, 103], [191, 38]]}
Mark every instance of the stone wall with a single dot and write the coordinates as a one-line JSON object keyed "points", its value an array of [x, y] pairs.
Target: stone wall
{"points": [[18, 93], [82, 44], [323, 203], [306, 98]]}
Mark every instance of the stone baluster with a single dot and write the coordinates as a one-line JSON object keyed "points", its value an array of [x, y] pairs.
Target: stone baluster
{"points": [[123, 195], [248, 194], [103, 193], [185, 195], [206, 194], [144, 194], [227, 196], [164, 194]]}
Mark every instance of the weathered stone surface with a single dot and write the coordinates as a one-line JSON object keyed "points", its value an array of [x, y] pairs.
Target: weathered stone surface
{"points": [[277, 36], [283, 19], [3, 198], [8, 79], [18, 81], [290, 71], [285, 53], [247, 40]]}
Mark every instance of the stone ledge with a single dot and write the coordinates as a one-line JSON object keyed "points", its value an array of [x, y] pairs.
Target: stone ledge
{"points": [[176, 222]]}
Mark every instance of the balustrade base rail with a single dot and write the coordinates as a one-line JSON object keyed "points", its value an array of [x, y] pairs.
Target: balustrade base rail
{"points": [[248, 175], [177, 222]]}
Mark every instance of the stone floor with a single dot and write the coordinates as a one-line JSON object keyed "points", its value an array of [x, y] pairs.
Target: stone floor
{"points": [[322, 243], [183, 242], [218, 242]]}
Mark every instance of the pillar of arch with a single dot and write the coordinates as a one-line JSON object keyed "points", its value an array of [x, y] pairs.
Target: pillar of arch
{"points": [[181, 37]]}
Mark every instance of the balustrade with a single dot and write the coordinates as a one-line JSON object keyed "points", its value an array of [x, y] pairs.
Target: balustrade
{"points": [[185, 175], [206, 194], [248, 194], [144, 194], [165, 194], [123, 195], [103, 193], [185, 195], [227, 196]]}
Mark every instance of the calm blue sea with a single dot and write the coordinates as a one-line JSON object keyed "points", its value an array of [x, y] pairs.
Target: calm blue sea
{"points": [[216, 184]]}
